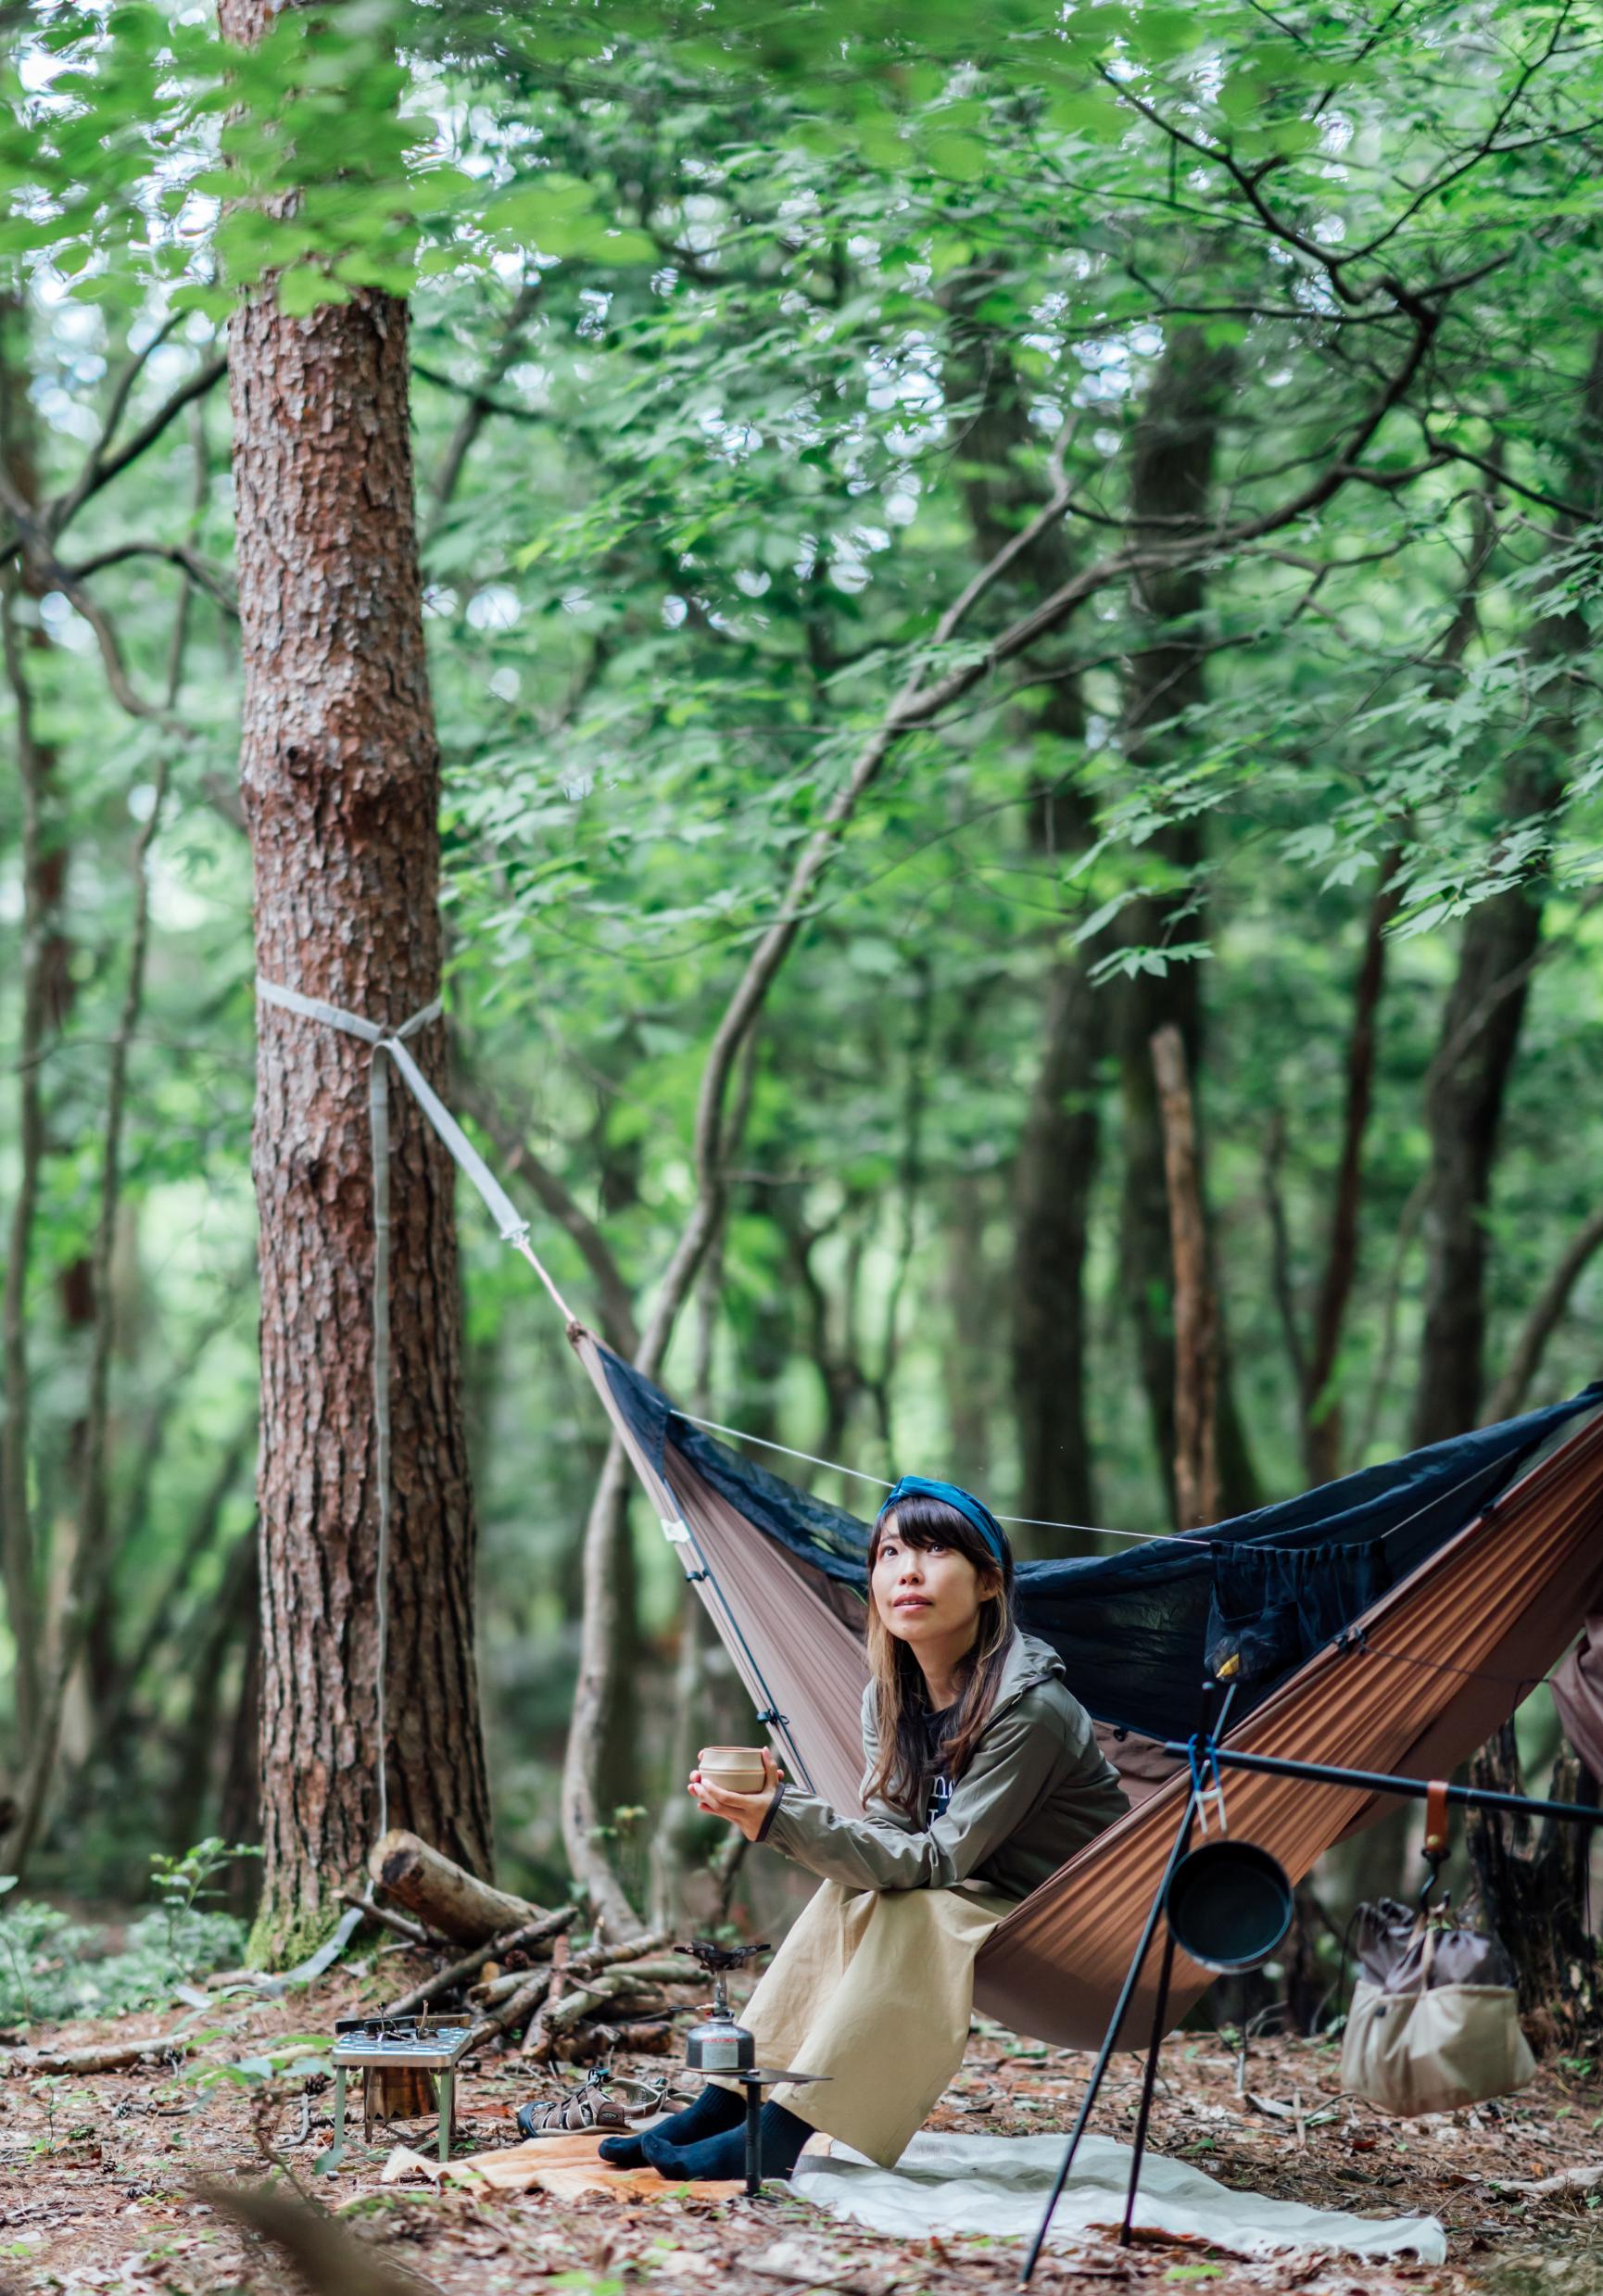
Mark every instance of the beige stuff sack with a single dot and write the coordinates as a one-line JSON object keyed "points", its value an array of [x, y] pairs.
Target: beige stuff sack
{"points": [[1436, 2046]]}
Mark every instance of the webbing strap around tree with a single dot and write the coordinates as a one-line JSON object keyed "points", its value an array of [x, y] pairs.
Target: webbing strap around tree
{"points": [[387, 1046]]}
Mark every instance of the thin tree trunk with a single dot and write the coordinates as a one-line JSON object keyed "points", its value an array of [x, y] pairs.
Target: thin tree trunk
{"points": [[239, 1797], [340, 775], [966, 1361], [595, 1697], [674, 1836], [164, 1619], [88, 1562], [1322, 1401], [910, 1182], [1172, 476], [201, 1775], [1464, 1112], [48, 997], [1056, 1168], [1197, 1328], [17, 1546], [1052, 1182]]}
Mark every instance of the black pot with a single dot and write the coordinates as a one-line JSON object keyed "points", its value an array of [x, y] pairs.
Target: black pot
{"points": [[1228, 1904]]}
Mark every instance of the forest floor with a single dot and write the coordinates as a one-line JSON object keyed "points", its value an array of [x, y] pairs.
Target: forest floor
{"points": [[99, 2178]]}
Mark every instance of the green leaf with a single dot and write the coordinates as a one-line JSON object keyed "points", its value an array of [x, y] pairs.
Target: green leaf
{"points": [[960, 156], [306, 289]]}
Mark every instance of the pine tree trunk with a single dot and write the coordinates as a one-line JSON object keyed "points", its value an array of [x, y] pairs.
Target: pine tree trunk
{"points": [[340, 773]]}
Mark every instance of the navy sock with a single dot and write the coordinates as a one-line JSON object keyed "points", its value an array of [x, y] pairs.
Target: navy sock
{"points": [[725, 2155], [713, 2110]]}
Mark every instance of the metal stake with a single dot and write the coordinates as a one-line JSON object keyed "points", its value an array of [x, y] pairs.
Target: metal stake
{"points": [[1148, 2080]]}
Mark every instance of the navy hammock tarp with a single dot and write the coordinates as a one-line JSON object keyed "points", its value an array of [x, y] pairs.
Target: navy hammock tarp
{"points": [[1256, 1596], [1388, 1622]]}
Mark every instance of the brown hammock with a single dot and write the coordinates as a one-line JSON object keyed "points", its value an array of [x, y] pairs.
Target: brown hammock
{"points": [[1421, 1679]]}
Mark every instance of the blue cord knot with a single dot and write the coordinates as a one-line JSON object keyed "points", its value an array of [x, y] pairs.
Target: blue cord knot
{"points": [[1203, 1756]]}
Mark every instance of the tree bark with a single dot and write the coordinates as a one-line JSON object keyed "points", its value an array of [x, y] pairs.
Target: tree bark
{"points": [[1172, 476], [1197, 1328], [340, 775], [1532, 1885]]}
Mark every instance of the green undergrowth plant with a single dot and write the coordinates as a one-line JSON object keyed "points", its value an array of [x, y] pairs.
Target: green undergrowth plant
{"points": [[53, 1967]]}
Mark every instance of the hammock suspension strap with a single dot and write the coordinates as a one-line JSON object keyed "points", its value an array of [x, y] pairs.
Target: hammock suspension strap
{"points": [[387, 1048]]}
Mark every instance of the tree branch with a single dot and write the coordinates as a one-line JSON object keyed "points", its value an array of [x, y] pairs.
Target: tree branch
{"points": [[201, 572], [616, 1300], [101, 470], [1509, 1396]]}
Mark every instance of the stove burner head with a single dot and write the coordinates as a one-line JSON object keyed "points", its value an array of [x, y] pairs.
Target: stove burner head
{"points": [[716, 1958]]}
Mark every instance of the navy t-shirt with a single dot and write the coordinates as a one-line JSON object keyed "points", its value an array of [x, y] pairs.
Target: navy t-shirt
{"points": [[937, 1728]]}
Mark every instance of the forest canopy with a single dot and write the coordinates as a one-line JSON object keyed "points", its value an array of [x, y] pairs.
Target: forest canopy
{"points": [[1077, 521]]}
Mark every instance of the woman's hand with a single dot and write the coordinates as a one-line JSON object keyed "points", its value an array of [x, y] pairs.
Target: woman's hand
{"points": [[745, 1810]]}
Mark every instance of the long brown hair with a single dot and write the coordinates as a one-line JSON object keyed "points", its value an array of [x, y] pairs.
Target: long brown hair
{"points": [[902, 1776]]}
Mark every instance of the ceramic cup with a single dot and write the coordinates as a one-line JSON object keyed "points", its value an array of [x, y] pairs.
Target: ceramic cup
{"points": [[734, 1769]]}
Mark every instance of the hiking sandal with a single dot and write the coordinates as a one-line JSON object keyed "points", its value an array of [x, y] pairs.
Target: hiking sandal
{"points": [[585, 2111]]}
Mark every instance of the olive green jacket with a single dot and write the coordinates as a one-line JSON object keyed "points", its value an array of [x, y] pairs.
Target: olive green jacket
{"points": [[1038, 1789]]}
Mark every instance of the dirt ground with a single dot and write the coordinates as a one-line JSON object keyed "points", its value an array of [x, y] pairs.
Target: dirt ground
{"points": [[100, 2178]]}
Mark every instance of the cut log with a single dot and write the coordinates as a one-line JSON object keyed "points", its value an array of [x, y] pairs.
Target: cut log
{"points": [[483, 1957], [527, 1998], [461, 1908], [113, 2057], [549, 2023], [519, 2006]]}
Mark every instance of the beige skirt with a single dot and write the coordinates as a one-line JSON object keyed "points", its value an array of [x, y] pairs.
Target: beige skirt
{"points": [[872, 1989]]}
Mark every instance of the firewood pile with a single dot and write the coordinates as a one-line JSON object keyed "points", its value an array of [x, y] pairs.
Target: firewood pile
{"points": [[514, 1967]]}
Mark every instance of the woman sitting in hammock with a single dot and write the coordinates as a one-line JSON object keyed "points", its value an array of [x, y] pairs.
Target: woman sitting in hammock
{"points": [[983, 1777]]}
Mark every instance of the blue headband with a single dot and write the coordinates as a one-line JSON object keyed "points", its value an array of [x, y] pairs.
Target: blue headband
{"points": [[974, 1512]]}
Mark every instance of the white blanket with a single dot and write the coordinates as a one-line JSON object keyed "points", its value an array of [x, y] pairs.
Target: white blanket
{"points": [[999, 2185]]}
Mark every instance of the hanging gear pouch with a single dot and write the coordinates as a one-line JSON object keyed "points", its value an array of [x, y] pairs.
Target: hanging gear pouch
{"points": [[1434, 2019]]}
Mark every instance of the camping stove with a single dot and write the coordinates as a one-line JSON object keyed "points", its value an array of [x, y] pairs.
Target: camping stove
{"points": [[720, 2045], [725, 2051]]}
